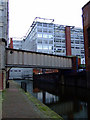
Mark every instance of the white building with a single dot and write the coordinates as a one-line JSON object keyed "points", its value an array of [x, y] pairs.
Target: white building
{"points": [[50, 38], [17, 44]]}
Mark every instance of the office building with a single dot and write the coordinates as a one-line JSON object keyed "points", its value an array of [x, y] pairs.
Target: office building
{"points": [[51, 38]]}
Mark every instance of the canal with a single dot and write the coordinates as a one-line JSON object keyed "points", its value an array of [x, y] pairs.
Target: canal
{"points": [[69, 102]]}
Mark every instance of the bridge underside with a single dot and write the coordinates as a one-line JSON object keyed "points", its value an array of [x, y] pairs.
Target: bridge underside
{"points": [[34, 66]]}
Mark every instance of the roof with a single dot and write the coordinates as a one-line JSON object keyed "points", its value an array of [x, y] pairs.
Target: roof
{"points": [[86, 5]]}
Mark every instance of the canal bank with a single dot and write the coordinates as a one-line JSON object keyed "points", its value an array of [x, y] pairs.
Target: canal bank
{"points": [[0, 104], [18, 104], [66, 101]]}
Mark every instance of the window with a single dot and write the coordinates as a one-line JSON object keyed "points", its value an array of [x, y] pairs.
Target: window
{"points": [[77, 42], [39, 30], [50, 25], [45, 47], [50, 36], [44, 24], [51, 42], [45, 41], [63, 41], [39, 46], [77, 47], [45, 36], [50, 47], [45, 30], [50, 31], [39, 24], [39, 41], [82, 51], [39, 35]]}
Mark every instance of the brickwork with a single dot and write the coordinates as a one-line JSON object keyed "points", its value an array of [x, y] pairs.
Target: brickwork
{"points": [[86, 28], [68, 41]]}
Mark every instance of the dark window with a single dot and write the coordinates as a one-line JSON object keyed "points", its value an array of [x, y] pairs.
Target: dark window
{"points": [[88, 30]]}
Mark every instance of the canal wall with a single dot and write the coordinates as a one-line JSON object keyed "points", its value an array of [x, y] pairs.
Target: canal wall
{"points": [[67, 78]]}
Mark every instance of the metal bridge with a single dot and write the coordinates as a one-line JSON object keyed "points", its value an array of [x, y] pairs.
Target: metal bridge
{"points": [[29, 59]]}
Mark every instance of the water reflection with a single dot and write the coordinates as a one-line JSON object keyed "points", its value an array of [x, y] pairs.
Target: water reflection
{"points": [[69, 102]]}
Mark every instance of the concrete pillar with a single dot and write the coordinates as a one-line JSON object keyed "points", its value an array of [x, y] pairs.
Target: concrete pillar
{"points": [[2, 64], [75, 64], [61, 79]]}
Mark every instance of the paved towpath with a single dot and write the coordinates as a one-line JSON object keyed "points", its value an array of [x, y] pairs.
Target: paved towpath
{"points": [[17, 105]]}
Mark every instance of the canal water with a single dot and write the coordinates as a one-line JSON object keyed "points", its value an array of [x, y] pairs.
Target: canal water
{"points": [[69, 102]]}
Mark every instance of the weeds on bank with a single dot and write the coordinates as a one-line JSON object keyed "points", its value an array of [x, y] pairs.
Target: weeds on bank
{"points": [[43, 108]]}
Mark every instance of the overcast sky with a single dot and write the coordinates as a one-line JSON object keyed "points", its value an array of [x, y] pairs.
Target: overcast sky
{"points": [[23, 12]]}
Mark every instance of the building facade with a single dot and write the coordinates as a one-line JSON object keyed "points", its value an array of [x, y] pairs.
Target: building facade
{"points": [[17, 44], [4, 23], [86, 29], [51, 38]]}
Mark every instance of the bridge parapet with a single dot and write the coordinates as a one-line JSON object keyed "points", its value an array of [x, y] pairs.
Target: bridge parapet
{"points": [[22, 58]]}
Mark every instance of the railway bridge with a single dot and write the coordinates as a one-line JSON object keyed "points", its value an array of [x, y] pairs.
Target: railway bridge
{"points": [[27, 59]]}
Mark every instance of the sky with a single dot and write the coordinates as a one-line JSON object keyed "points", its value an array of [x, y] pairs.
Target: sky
{"points": [[23, 12]]}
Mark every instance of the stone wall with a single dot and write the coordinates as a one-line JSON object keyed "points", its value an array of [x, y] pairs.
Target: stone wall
{"points": [[2, 63]]}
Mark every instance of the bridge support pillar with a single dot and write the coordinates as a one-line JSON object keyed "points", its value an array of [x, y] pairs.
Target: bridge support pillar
{"points": [[75, 64], [2, 64], [88, 79], [61, 77]]}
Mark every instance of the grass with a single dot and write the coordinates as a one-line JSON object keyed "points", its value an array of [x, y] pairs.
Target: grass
{"points": [[43, 108]]}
